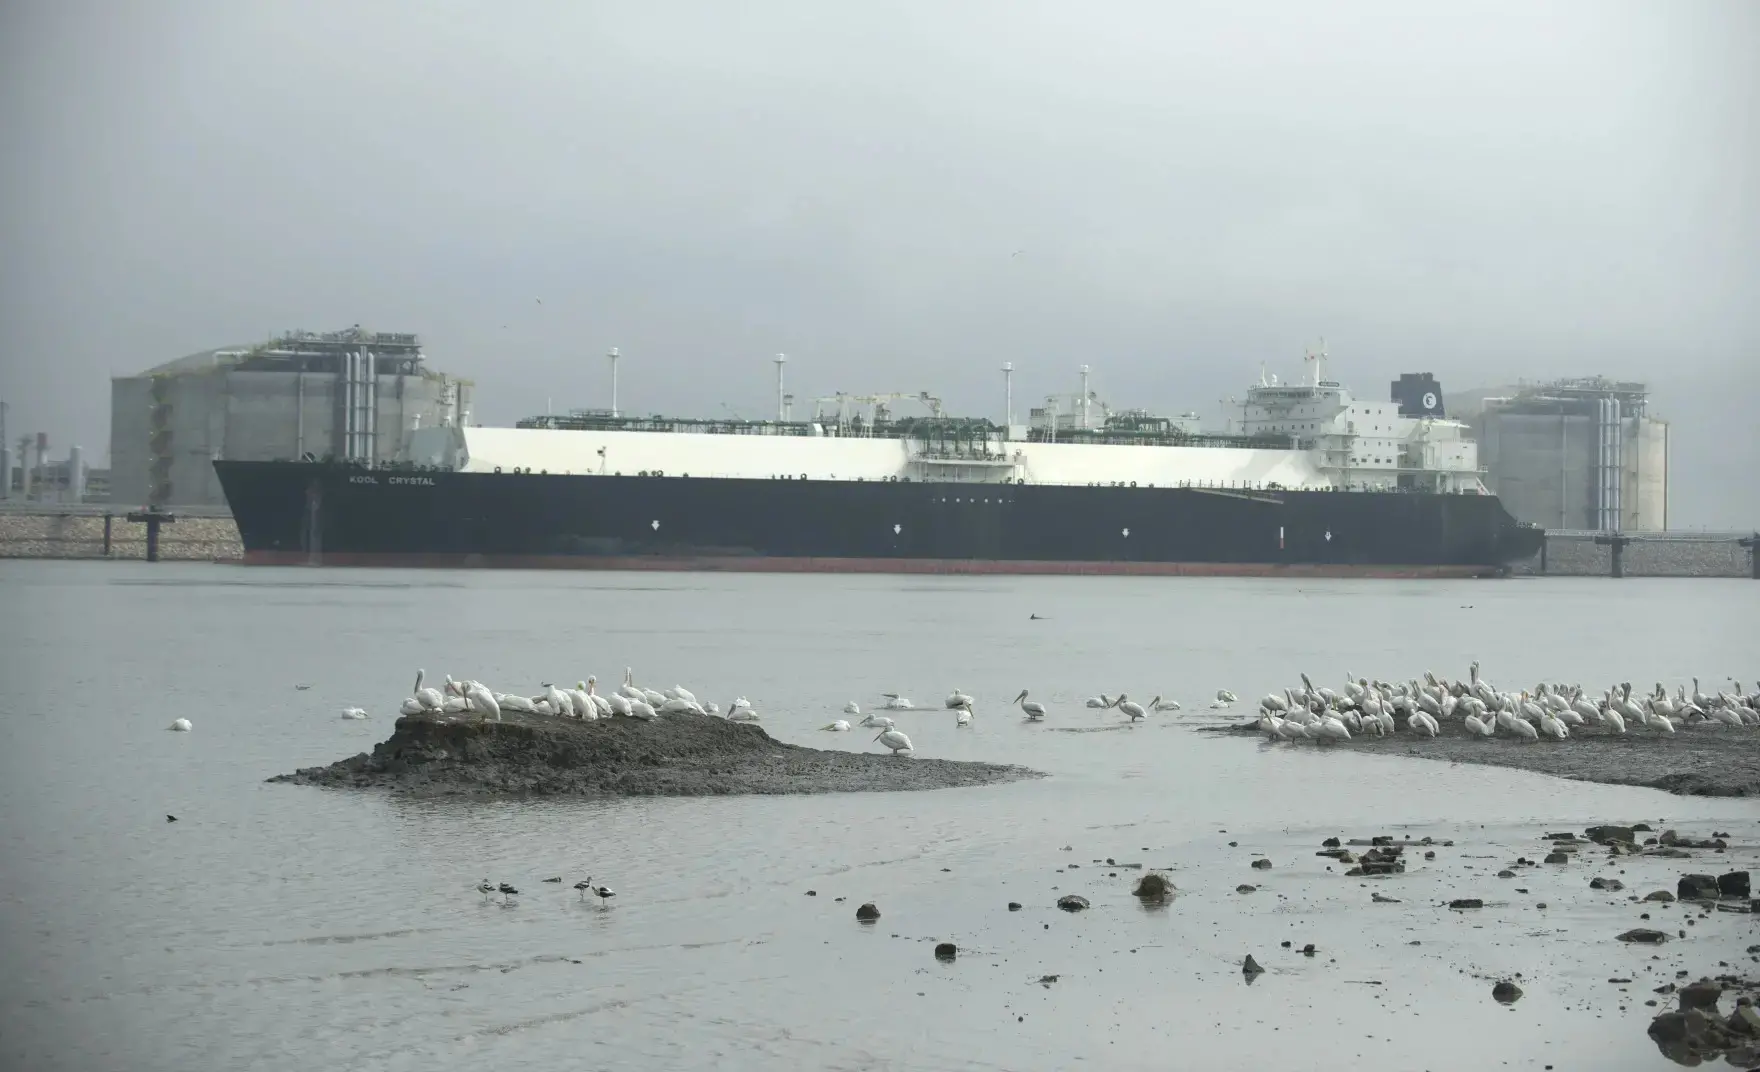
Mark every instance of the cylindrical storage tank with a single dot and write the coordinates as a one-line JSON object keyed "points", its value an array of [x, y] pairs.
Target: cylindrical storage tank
{"points": [[76, 474], [8, 460]]}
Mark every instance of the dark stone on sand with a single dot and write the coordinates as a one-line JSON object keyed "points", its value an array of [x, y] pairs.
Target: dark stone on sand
{"points": [[1674, 840], [1601, 835], [1379, 899], [1659, 895], [1329, 843], [1557, 858], [1606, 884], [1251, 966], [812, 893], [1644, 936], [1262, 865], [946, 951], [1703, 994], [1309, 950], [1466, 902], [1643, 827], [1014, 906], [1697, 888], [1506, 874], [1154, 886], [1244, 888], [868, 913], [675, 755], [1072, 902], [1506, 992], [1734, 884]]}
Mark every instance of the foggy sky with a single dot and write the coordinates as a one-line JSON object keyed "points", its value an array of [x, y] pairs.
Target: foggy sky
{"points": [[1489, 192]]}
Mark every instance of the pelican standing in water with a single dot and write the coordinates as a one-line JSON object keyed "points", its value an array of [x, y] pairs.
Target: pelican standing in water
{"points": [[1034, 709], [1133, 708], [958, 699], [894, 740], [1100, 701], [895, 702]]}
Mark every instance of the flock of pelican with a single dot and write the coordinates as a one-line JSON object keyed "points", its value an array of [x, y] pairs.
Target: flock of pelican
{"points": [[1548, 711], [628, 700]]}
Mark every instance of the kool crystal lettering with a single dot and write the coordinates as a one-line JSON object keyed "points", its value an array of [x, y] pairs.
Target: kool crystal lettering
{"points": [[425, 481]]}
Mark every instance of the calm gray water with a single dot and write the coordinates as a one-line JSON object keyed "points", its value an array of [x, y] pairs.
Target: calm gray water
{"points": [[280, 927]]}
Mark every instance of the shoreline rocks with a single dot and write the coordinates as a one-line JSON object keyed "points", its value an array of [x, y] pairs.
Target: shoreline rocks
{"points": [[683, 755]]}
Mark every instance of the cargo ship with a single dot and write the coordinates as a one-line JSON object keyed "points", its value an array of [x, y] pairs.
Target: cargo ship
{"points": [[1307, 481]]}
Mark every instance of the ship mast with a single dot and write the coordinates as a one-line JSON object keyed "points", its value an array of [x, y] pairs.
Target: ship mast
{"points": [[612, 356]]}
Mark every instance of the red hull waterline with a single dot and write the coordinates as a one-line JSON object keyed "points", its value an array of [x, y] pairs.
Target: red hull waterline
{"points": [[783, 564]]}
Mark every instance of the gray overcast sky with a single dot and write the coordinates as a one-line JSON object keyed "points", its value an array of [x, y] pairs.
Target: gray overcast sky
{"points": [[1486, 191]]}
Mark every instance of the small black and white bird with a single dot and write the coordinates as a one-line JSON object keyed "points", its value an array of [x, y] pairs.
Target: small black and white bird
{"points": [[604, 893], [485, 888], [170, 818], [507, 891]]}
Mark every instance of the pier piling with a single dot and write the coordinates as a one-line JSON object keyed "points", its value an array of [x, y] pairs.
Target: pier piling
{"points": [[1752, 543], [107, 520], [1617, 543], [153, 517]]}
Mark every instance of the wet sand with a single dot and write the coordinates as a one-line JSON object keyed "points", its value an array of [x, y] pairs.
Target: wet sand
{"points": [[684, 755], [1709, 761]]}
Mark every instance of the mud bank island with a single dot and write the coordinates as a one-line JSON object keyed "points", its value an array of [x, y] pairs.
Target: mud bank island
{"points": [[674, 755]]}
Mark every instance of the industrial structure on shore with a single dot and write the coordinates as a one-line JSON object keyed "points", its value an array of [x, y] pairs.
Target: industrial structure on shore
{"points": [[1578, 454], [351, 395]]}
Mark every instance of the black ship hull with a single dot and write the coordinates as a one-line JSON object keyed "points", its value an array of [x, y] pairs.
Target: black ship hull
{"points": [[322, 514]]}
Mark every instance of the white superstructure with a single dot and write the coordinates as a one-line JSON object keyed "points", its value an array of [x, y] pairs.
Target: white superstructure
{"points": [[1362, 445], [1335, 442]]}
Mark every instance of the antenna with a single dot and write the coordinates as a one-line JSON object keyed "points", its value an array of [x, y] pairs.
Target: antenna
{"points": [[781, 399], [1008, 394], [612, 356]]}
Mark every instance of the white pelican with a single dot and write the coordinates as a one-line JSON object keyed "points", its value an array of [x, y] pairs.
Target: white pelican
{"points": [[1552, 727], [1613, 720], [454, 705], [840, 726], [678, 705], [964, 717], [508, 701], [1165, 705], [738, 702], [894, 740], [592, 687], [1225, 696], [679, 692], [628, 689], [957, 699], [1273, 702], [1034, 709], [1522, 728], [481, 700], [1101, 700], [180, 725], [895, 702], [586, 705], [559, 704], [1476, 727], [411, 706], [1285, 729], [1422, 723], [1133, 708], [352, 713], [852, 708], [643, 710], [620, 704], [1330, 728], [742, 712], [873, 721], [430, 699]]}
